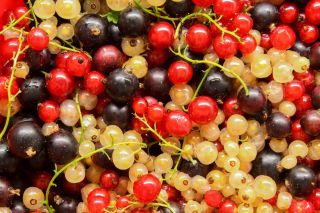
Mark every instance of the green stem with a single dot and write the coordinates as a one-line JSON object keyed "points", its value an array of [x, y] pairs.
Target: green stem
{"points": [[206, 73], [80, 117], [15, 22], [69, 49], [36, 23]]}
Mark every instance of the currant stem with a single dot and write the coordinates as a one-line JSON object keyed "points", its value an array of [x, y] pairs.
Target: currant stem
{"points": [[206, 73], [10, 98], [69, 49], [80, 117], [36, 23], [15, 22]]}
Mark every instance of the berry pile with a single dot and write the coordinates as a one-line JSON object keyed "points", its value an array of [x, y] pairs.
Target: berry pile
{"points": [[195, 106]]}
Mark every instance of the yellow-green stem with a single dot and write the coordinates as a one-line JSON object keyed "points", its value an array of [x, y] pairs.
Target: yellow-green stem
{"points": [[206, 73], [15, 22], [34, 15], [80, 117]]}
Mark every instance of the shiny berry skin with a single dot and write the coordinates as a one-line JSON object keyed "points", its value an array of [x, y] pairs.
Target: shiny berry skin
{"points": [[161, 35], [180, 72], [61, 59], [307, 78], [314, 198], [139, 105], [38, 39], [146, 188], [264, 14], [288, 13], [265, 41], [278, 125], [293, 90], [312, 11], [4, 82], [243, 23], [282, 37], [203, 109], [60, 83], [78, 64], [173, 193], [156, 112], [231, 106], [222, 23], [310, 122], [178, 123], [16, 13], [98, 200], [225, 46], [308, 33], [108, 58], [303, 104], [157, 57], [301, 206], [41, 180], [49, 111], [315, 97], [248, 44], [95, 82], [109, 180], [213, 198], [203, 3], [8, 49], [122, 202], [298, 133], [228, 206], [252, 103], [227, 8], [198, 38]]}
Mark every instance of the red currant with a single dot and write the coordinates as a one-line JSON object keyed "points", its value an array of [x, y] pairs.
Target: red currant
{"points": [[157, 57], [151, 100], [123, 202], [301, 206], [303, 104], [314, 198], [95, 82], [139, 105], [225, 46], [146, 188], [293, 90], [156, 112], [203, 3], [213, 198], [173, 193], [289, 13], [161, 35], [98, 200], [61, 59], [38, 39], [49, 111], [203, 109], [8, 49], [18, 12], [78, 64], [4, 82], [298, 133], [228, 206], [307, 78], [222, 23], [282, 37], [109, 179], [60, 83], [227, 8], [231, 106], [309, 33], [248, 44], [178, 123], [199, 38], [180, 72], [312, 11], [265, 41], [243, 23], [41, 180]]}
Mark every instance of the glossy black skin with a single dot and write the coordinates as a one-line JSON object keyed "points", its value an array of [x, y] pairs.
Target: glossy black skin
{"points": [[278, 125], [25, 139], [193, 169], [315, 56], [17, 206], [178, 8], [197, 68], [264, 14], [101, 159], [263, 115], [38, 60], [252, 103], [117, 114], [9, 164], [121, 85], [302, 48], [39, 161], [175, 206], [115, 34], [33, 91], [68, 205], [157, 84], [62, 147], [300, 181], [5, 195], [217, 85], [133, 22], [267, 163], [310, 122], [92, 31], [315, 97]]}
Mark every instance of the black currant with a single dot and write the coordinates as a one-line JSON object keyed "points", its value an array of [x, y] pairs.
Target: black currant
{"points": [[5, 191], [66, 205], [9, 164], [252, 103], [179, 8], [315, 56], [33, 91], [193, 168], [174, 206], [264, 14], [38, 60], [17, 206], [315, 97], [310, 122], [301, 48], [117, 114], [132, 22], [278, 125], [101, 159]]}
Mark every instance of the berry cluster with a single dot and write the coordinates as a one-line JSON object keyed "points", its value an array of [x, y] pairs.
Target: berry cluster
{"points": [[195, 106]]}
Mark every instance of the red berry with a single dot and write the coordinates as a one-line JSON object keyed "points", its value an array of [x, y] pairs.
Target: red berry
{"points": [[156, 112], [178, 123], [98, 200], [203, 109], [61, 59], [49, 111], [180, 72], [203, 3], [227, 8], [314, 198], [122, 202], [139, 105], [213, 198], [38, 39], [4, 83], [248, 44], [228, 206], [146, 188], [161, 35], [109, 179], [301, 206], [95, 82], [303, 104], [199, 38], [298, 133], [173, 193], [307, 78], [157, 57], [8, 49], [18, 12], [265, 41], [60, 83], [78, 64], [283, 37], [231, 106], [225, 46], [312, 11], [308, 33], [222, 23], [41, 180], [151, 100], [243, 23], [289, 13], [293, 90]]}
